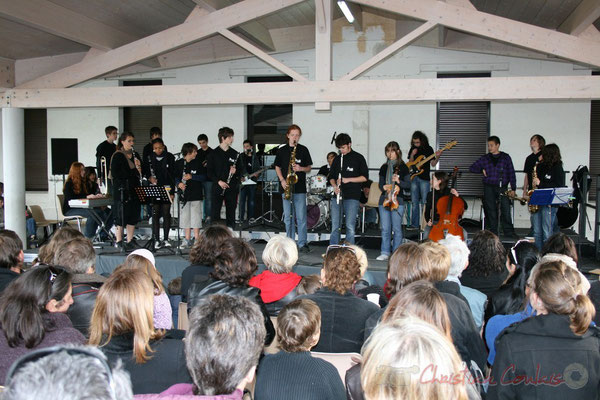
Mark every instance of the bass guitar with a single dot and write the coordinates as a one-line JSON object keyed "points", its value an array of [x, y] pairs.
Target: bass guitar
{"points": [[450, 212], [416, 166]]}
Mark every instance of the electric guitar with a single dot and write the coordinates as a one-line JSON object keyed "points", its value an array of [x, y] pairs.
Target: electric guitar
{"points": [[248, 181], [416, 166]]}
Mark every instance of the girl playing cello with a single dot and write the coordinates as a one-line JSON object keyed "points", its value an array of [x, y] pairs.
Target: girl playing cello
{"points": [[439, 185]]}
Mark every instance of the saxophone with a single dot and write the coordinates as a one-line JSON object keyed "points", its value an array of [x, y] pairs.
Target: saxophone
{"points": [[291, 179], [533, 208]]}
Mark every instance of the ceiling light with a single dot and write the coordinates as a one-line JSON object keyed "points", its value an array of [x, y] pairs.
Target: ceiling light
{"points": [[347, 13]]}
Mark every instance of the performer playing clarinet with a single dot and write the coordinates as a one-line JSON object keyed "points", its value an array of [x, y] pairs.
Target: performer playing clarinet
{"points": [[222, 170], [348, 171], [126, 172], [300, 164]]}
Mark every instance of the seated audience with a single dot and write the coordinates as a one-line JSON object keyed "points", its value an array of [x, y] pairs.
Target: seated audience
{"points": [[560, 243], [278, 283], [58, 239], [11, 257], [122, 326], [143, 260], [309, 284], [293, 373], [510, 298], [222, 348], [202, 256], [363, 287], [343, 315], [409, 263], [418, 299], [32, 314], [557, 349], [174, 290], [68, 373], [79, 258], [408, 359], [459, 256], [487, 263], [234, 265]]}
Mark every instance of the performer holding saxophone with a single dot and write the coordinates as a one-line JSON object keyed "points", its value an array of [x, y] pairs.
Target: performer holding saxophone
{"points": [[222, 169], [291, 164]]}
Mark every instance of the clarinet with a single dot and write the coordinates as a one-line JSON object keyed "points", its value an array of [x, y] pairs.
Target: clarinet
{"points": [[150, 165], [136, 158], [182, 193], [230, 174], [339, 195]]}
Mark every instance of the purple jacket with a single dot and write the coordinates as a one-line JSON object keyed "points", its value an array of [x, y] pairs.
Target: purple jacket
{"points": [[62, 333], [183, 391], [503, 170]]}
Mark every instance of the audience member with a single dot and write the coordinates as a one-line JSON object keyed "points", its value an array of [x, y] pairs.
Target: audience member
{"points": [[408, 359], [202, 256], [234, 265], [557, 351], [309, 284], [32, 314], [143, 260], [222, 348], [278, 284], [174, 290], [79, 258], [510, 298], [459, 256], [343, 315], [122, 325], [58, 239], [66, 373], [293, 373], [487, 263], [11, 257], [560, 243], [362, 288]]}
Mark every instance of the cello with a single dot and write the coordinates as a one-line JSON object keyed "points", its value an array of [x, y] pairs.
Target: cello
{"points": [[450, 212]]}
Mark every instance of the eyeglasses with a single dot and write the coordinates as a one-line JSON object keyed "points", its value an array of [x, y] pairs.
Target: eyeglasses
{"points": [[340, 246], [41, 353], [512, 249]]}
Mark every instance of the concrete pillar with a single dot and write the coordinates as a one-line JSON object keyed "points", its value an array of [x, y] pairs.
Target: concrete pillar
{"points": [[13, 156]]}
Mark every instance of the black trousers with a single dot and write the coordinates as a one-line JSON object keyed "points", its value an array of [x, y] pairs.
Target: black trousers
{"points": [[230, 199], [491, 196], [161, 210]]}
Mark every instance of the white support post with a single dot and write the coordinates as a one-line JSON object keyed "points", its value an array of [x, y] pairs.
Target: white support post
{"points": [[13, 156], [323, 14]]}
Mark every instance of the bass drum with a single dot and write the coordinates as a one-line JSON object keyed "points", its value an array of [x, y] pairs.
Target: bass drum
{"points": [[317, 184], [317, 211]]}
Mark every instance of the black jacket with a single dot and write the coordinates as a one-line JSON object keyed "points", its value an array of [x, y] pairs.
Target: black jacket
{"points": [[343, 320], [6, 277], [165, 368], [123, 176], [200, 289], [85, 291], [569, 364]]}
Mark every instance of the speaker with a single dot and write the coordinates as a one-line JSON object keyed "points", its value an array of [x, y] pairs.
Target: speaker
{"points": [[64, 153]]}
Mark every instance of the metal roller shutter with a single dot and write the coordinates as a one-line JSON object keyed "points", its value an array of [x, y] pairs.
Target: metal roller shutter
{"points": [[594, 145], [36, 161]]}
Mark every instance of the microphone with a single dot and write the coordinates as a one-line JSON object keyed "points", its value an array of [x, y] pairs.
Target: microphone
{"points": [[333, 137]]}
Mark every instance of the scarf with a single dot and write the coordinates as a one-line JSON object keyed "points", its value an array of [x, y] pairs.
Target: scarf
{"points": [[391, 164], [128, 157]]}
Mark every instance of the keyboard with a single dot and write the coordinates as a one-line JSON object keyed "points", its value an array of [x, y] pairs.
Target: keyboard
{"points": [[90, 203]]}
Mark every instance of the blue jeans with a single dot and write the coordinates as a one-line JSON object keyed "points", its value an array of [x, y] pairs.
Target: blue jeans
{"points": [[370, 215], [391, 222], [31, 227], [418, 195], [299, 200], [90, 227], [247, 195], [543, 224], [351, 207], [207, 187]]}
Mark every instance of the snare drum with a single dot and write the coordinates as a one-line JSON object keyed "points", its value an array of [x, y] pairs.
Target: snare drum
{"points": [[317, 184], [317, 211]]}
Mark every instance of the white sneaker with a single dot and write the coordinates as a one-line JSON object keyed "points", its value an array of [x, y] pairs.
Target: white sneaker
{"points": [[382, 257]]}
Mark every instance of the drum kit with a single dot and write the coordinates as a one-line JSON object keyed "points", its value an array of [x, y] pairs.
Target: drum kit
{"points": [[318, 202]]}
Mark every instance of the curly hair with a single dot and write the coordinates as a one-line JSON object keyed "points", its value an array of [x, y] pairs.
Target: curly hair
{"points": [[409, 263], [341, 268], [488, 255], [211, 238], [235, 262]]}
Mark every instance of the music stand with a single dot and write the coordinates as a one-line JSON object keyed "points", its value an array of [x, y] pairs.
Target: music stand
{"points": [[270, 183], [552, 196], [150, 195]]}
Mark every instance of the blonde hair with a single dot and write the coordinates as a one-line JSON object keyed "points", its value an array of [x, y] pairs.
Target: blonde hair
{"points": [[407, 264], [361, 257], [125, 304], [407, 359], [280, 254], [559, 288], [440, 260], [422, 300], [135, 261]]}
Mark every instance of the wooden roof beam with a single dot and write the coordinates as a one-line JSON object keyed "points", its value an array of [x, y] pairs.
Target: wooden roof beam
{"points": [[582, 17], [323, 20], [159, 43], [493, 27]]}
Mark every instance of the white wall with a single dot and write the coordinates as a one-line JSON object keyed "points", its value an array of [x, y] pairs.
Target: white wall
{"points": [[566, 123]]}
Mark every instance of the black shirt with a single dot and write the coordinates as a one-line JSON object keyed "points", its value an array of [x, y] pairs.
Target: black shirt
{"points": [[324, 170], [530, 162], [124, 176], [282, 160], [106, 150], [354, 166], [251, 164], [193, 187], [202, 158], [218, 163], [69, 194], [551, 176], [425, 151], [161, 167]]}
